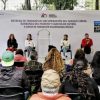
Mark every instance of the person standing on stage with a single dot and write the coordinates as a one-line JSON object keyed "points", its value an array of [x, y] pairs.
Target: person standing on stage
{"points": [[65, 45], [86, 44], [29, 44], [12, 43]]}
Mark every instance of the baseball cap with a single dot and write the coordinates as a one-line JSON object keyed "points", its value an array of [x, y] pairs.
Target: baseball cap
{"points": [[7, 58]]}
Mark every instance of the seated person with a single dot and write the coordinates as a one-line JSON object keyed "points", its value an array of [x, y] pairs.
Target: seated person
{"points": [[19, 59], [29, 44], [50, 85], [54, 61], [12, 43], [86, 44], [65, 45], [79, 81], [96, 67], [11, 76], [33, 64]]}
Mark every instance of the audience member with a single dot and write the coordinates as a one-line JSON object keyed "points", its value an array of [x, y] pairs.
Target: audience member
{"points": [[33, 64], [54, 61], [11, 76], [50, 85], [96, 67], [79, 81], [19, 58]]}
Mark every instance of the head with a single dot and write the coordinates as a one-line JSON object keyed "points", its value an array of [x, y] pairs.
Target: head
{"points": [[11, 36], [65, 37], [96, 60], [79, 54], [32, 57], [80, 61], [51, 47], [29, 37], [50, 82], [54, 61], [19, 51], [7, 59], [86, 35]]}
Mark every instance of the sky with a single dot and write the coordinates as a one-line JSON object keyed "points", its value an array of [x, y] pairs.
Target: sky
{"points": [[12, 4]]}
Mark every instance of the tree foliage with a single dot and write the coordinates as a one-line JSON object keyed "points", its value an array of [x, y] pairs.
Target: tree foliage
{"points": [[61, 4]]}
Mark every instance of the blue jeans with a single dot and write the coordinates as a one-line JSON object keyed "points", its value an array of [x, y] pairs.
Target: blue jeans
{"points": [[64, 49]]}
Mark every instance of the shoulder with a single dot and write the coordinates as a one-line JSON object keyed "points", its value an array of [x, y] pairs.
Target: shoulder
{"points": [[34, 97], [64, 98]]}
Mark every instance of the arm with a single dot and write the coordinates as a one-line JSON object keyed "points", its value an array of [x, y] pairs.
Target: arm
{"points": [[15, 44], [61, 43], [33, 43], [83, 43], [25, 43], [8, 44]]}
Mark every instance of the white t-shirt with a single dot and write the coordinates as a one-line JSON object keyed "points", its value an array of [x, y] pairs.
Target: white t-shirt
{"points": [[29, 43], [65, 43]]}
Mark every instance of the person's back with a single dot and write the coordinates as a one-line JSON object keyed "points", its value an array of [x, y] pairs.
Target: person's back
{"points": [[40, 96], [50, 86], [10, 76]]}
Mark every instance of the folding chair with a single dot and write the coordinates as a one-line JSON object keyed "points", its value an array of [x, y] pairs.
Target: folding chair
{"points": [[74, 96], [11, 93]]}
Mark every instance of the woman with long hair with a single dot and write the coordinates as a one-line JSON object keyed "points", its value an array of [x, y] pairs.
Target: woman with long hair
{"points": [[80, 57], [54, 61], [78, 80], [12, 43]]}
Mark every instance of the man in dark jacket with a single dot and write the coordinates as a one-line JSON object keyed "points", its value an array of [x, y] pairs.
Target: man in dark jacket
{"points": [[11, 76]]}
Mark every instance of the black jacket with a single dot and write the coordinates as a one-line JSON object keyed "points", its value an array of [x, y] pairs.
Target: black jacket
{"points": [[12, 77], [67, 87], [11, 43]]}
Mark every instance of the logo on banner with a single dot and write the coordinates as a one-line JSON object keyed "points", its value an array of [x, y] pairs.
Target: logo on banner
{"points": [[44, 15], [96, 26]]}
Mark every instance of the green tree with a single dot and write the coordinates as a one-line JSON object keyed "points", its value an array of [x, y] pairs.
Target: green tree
{"points": [[61, 4]]}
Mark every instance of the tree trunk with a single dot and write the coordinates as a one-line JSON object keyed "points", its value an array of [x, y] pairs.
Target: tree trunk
{"points": [[27, 5], [97, 5]]}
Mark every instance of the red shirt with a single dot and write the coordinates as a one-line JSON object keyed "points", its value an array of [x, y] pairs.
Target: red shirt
{"points": [[86, 42]]}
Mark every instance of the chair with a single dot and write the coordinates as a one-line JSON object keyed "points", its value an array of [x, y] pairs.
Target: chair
{"points": [[68, 51], [19, 64], [11, 93], [34, 79], [75, 96]]}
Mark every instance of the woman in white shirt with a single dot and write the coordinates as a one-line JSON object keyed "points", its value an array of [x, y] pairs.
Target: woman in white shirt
{"points": [[65, 45], [29, 44]]}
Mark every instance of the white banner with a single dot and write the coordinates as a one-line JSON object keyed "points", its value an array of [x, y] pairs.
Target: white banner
{"points": [[48, 27]]}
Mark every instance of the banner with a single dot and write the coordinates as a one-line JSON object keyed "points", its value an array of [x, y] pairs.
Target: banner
{"points": [[48, 27]]}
